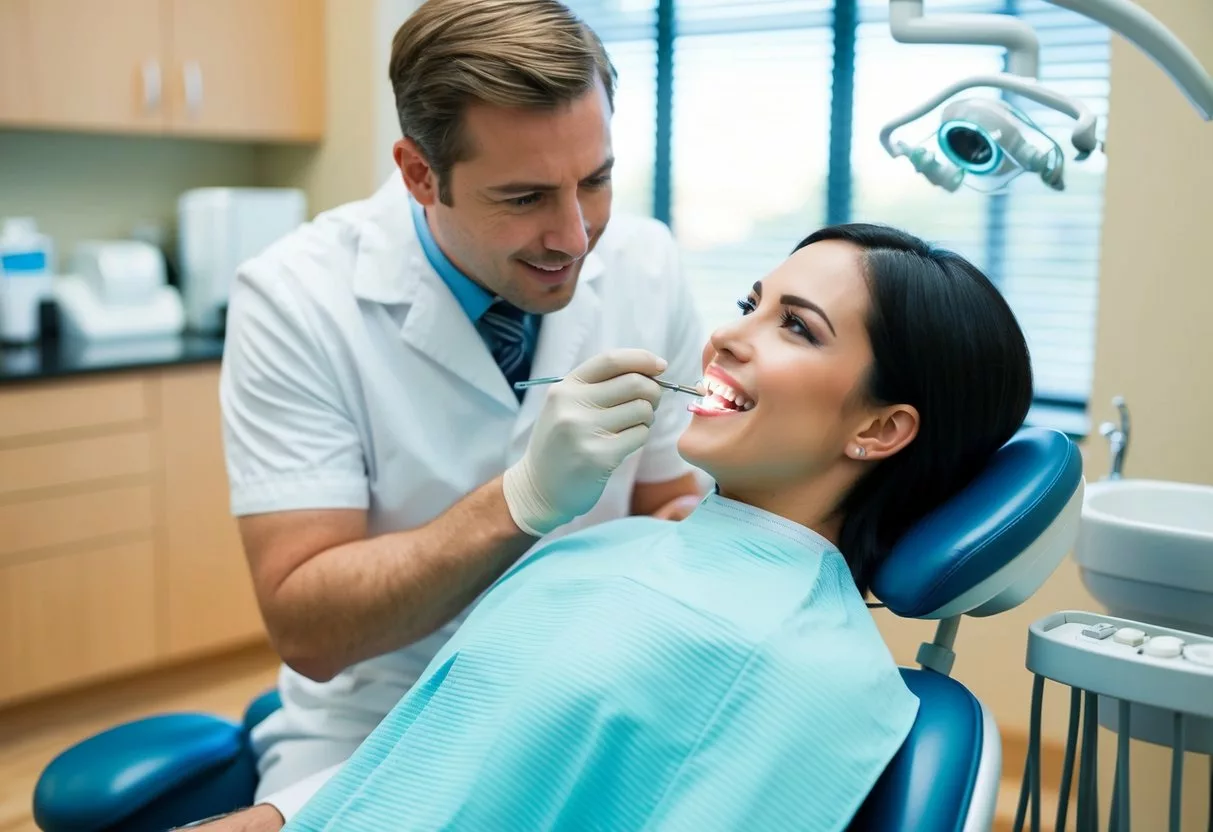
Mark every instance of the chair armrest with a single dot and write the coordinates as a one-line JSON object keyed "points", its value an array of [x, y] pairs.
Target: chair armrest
{"points": [[117, 773]]}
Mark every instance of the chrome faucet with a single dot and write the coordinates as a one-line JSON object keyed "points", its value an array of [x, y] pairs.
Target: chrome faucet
{"points": [[1118, 438]]}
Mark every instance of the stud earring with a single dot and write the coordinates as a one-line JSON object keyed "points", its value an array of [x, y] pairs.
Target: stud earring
{"points": [[861, 451]]}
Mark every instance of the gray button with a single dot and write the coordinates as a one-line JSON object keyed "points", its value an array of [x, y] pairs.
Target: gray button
{"points": [[1099, 631]]}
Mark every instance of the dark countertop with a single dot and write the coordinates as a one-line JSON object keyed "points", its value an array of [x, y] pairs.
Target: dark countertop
{"points": [[57, 358]]}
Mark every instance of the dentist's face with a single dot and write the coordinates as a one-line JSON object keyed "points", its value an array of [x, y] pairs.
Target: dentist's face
{"points": [[787, 377], [529, 203]]}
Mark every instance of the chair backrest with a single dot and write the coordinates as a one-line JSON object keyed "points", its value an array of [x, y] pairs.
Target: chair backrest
{"points": [[991, 546], [984, 551], [945, 777]]}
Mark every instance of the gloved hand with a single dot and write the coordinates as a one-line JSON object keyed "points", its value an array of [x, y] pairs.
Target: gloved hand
{"points": [[592, 420]]}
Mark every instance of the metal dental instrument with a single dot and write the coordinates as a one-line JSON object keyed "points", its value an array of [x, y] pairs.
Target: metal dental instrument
{"points": [[668, 385]]}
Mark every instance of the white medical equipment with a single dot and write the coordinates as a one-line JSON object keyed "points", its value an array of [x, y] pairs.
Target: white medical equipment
{"points": [[117, 290], [985, 143]]}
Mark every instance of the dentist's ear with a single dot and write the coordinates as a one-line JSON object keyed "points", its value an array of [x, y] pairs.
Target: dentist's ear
{"points": [[419, 177], [893, 428]]}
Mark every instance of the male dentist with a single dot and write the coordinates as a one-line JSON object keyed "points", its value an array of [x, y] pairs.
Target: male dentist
{"points": [[383, 468]]}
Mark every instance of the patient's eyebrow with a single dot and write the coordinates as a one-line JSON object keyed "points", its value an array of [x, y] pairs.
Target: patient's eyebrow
{"points": [[793, 300]]}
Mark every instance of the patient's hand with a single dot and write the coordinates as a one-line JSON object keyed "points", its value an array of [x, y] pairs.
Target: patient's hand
{"points": [[678, 508], [260, 818]]}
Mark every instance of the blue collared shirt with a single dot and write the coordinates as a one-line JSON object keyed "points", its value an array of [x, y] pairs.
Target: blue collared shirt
{"points": [[474, 299]]}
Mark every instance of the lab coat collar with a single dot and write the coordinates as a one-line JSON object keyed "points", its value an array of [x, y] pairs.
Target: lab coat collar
{"points": [[391, 268]]}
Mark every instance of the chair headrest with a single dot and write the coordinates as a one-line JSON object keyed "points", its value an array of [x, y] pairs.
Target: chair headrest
{"points": [[992, 545]]}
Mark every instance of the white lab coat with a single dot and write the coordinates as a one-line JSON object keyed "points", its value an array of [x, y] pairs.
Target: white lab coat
{"points": [[352, 378]]}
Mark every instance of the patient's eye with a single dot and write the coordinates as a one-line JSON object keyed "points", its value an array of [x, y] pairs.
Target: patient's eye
{"points": [[746, 305], [793, 323]]}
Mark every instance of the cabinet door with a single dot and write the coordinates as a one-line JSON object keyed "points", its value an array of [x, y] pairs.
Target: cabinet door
{"points": [[208, 593], [97, 65], [76, 616], [16, 103], [248, 68]]}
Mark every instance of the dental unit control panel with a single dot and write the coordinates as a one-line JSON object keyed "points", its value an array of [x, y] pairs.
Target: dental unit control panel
{"points": [[1125, 659], [1138, 680]]}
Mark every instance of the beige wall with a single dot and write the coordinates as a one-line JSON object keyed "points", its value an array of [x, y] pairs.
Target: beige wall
{"points": [[1155, 348], [343, 167], [100, 186]]}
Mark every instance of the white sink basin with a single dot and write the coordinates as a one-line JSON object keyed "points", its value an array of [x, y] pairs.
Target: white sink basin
{"points": [[1145, 551]]}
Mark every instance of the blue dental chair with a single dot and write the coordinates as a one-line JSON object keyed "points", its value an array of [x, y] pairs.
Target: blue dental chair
{"points": [[984, 552]]}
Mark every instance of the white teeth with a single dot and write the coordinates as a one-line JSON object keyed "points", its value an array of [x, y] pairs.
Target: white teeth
{"points": [[720, 390], [546, 268]]}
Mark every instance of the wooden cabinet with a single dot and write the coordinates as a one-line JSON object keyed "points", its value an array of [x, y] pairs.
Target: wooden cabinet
{"points": [[262, 77], [208, 593], [96, 65], [237, 69], [117, 549], [76, 616], [16, 99]]}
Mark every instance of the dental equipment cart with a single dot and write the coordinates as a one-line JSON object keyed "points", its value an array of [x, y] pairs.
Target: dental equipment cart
{"points": [[1149, 683]]}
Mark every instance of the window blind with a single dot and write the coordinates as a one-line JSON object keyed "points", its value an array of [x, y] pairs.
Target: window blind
{"points": [[1041, 247], [628, 29], [751, 115], [1050, 267], [755, 162]]}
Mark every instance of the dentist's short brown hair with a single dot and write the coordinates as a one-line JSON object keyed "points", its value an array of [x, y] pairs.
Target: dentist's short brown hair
{"points": [[508, 53]]}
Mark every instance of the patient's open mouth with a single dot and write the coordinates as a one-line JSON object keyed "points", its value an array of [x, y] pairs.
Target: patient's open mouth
{"points": [[721, 400]]}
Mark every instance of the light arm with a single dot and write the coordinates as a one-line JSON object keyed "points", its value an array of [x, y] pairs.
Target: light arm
{"points": [[908, 25], [1159, 43]]}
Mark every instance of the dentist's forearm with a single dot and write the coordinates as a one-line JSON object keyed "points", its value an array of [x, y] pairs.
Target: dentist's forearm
{"points": [[368, 597]]}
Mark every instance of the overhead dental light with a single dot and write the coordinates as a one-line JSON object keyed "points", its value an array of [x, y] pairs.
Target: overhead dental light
{"points": [[984, 143]]}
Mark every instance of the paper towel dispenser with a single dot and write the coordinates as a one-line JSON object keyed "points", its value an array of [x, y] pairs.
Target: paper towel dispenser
{"points": [[220, 228]]}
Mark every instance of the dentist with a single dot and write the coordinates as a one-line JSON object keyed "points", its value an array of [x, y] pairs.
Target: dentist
{"points": [[383, 469]]}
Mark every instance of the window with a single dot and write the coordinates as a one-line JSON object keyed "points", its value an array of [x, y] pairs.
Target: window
{"points": [[766, 115]]}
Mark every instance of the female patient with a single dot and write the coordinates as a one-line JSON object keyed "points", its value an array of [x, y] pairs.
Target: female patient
{"points": [[722, 672]]}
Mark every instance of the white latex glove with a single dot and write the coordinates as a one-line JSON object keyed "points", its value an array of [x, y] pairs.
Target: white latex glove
{"points": [[591, 421]]}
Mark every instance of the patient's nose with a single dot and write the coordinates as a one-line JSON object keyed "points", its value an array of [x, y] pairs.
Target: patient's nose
{"points": [[731, 339]]}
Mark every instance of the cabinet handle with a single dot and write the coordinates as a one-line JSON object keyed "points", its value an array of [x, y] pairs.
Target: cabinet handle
{"points": [[151, 85], [193, 87]]}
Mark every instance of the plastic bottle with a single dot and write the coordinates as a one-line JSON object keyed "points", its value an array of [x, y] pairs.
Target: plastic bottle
{"points": [[25, 279]]}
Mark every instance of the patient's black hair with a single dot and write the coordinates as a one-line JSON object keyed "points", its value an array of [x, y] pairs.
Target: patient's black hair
{"points": [[945, 341]]}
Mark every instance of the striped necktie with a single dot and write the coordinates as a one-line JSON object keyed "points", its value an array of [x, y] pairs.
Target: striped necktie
{"points": [[509, 337]]}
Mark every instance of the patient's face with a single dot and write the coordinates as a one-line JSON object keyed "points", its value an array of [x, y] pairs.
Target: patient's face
{"points": [[795, 361]]}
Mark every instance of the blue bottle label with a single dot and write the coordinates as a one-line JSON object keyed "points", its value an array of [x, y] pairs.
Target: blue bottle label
{"points": [[25, 261]]}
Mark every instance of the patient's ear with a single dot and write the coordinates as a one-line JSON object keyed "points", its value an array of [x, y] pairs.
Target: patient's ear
{"points": [[892, 429]]}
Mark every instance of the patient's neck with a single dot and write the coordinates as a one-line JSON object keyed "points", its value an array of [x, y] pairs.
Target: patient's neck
{"points": [[812, 503]]}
